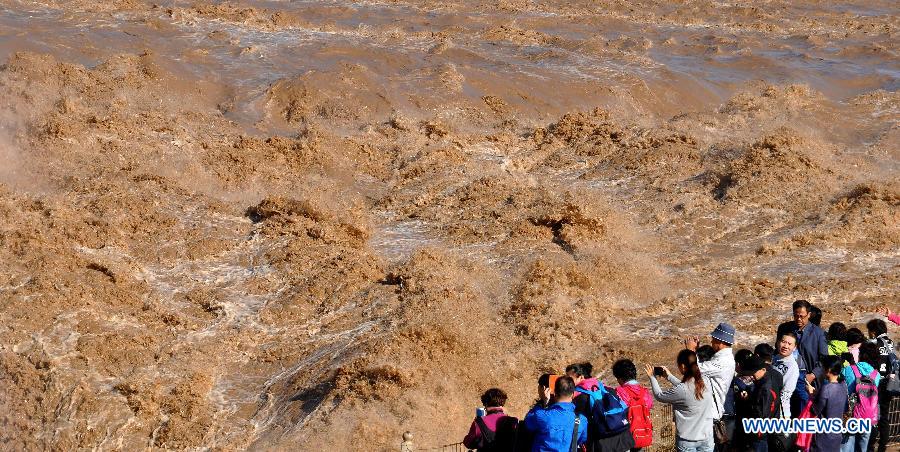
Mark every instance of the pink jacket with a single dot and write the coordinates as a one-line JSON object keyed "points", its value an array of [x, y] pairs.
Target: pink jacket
{"points": [[854, 350], [493, 416], [894, 318], [589, 384]]}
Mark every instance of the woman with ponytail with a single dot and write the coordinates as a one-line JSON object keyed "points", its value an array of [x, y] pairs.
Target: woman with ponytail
{"points": [[691, 399]]}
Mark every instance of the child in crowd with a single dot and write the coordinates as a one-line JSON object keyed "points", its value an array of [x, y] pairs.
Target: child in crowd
{"points": [[855, 338], [830, 402], [705, 353], [639, 400], [741, 388], [837, 339]]}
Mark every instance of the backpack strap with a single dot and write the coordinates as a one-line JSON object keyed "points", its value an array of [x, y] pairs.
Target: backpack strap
{"points": [[855, 370], [599, 389], [589, 394], [590, 398], [487, 435], [715, 402], [873, 374], [773, 404], [574, 445]]}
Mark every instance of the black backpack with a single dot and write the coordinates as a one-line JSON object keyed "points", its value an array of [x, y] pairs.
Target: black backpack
{"points": [[607, 414], [502, 440], [524, 438]]}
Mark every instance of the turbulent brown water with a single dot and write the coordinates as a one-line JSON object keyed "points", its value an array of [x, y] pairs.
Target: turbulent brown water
{"points": [[315, 225]]}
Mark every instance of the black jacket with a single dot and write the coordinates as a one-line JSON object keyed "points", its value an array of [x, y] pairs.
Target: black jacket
{"points": [[886, 356], [765, 401]]}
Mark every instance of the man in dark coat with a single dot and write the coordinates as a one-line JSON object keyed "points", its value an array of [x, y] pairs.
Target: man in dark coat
{"points": [[811, 343]]}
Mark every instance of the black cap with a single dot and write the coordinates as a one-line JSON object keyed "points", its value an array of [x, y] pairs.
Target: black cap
{"points": [[752, 365]]}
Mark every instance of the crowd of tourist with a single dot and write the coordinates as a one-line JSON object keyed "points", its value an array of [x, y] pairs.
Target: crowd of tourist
{"points": [[841, 374]]}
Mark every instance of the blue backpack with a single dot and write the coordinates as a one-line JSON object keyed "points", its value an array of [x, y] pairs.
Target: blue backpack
{"points": [[608, 413]]}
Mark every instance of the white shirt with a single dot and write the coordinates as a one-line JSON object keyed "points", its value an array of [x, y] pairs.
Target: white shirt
{"points": [[791, 372], [719, 371]]}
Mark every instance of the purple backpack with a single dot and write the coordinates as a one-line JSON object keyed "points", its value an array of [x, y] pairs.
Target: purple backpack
{"points": [[864, 400]]}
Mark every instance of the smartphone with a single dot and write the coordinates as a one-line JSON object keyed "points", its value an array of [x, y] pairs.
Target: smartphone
{"points": [[480, 412], [553, 379], [659, 371]]}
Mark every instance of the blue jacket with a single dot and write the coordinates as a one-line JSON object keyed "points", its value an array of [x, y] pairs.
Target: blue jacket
{"points": [[811, 344], [553, 426]]}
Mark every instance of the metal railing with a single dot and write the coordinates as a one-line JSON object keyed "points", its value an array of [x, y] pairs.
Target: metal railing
{"points": [[663, 428], [455, 447], [893, 421]]}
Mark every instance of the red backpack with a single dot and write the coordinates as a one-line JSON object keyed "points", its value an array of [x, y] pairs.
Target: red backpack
{"points": [[638, 415]]}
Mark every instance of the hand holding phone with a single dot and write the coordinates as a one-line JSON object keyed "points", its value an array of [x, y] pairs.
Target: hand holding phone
{"points": [[660, 372], [553, 379]]}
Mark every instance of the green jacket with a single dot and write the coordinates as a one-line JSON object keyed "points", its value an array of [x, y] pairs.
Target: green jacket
{"points": [[837, 347]]}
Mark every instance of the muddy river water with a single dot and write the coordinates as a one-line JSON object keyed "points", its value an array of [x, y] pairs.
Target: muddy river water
{"points": [[283, 225]]}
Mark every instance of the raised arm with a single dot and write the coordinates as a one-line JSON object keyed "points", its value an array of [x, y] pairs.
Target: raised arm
{"points": [[670, 395], [714, 369], [895, 318]]}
